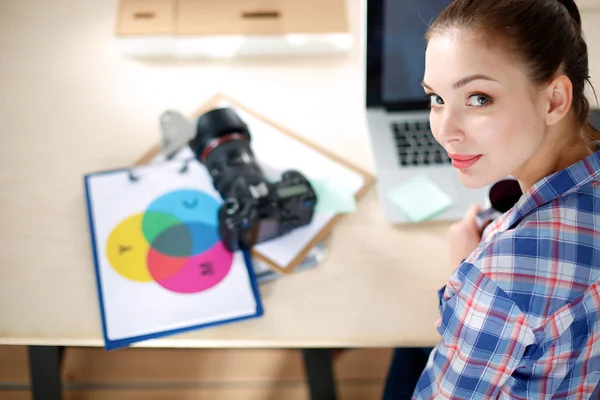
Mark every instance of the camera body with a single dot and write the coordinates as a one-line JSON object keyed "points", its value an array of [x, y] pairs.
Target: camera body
{"points": [[254, 209]]}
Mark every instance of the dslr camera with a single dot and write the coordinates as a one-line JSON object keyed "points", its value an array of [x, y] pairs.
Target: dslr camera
{"points": [[254, 209]]}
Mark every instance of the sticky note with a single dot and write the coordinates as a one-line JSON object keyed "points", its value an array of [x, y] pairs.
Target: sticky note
{"points": [[333, 196], [419, 198]]}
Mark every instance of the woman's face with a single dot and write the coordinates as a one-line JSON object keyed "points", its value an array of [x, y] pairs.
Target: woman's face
{"points": [[485, 112]]}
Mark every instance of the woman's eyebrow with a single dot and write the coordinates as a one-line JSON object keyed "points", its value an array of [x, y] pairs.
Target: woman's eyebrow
{"points": [[426, 85], [464, 81]]}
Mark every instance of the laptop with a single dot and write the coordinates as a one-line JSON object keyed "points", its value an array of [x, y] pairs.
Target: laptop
{"points": [[397, 109]]}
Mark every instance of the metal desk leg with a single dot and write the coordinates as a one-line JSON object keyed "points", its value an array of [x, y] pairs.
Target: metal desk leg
{"points": [[319, 374], [44, 369]]}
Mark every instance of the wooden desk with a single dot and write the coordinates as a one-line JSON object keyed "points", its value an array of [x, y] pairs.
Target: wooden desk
{"points": [[69, 104]]}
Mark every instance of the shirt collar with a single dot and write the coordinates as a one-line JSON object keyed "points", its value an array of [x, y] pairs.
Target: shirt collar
{"points": [[549, 188]]}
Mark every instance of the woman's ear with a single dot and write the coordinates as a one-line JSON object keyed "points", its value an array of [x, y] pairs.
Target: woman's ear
{"points": [[560, 98]]}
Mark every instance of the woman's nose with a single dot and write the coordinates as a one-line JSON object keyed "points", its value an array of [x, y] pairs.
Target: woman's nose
{"points": [[449, 128]]}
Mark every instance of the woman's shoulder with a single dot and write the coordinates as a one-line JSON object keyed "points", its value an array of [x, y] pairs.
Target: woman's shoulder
{"points": [[570, 219], [550, 257], [576, 210]]}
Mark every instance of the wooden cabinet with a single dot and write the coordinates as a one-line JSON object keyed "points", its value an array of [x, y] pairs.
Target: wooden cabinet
{"points": [[146, 17], [217, 28]]}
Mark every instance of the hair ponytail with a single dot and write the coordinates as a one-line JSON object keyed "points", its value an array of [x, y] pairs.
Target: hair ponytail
{"points": [[590, 133], [573, 11], [545, 34]]}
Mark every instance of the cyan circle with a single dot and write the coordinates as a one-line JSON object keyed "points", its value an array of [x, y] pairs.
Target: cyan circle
{"points": [[188, 206], [182, 223]]}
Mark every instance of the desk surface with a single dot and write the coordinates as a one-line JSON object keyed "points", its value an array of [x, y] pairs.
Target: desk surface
{"points": [[69, 104]]}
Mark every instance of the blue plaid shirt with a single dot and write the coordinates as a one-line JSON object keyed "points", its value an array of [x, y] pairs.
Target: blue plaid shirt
{"points": [[520, 317]]}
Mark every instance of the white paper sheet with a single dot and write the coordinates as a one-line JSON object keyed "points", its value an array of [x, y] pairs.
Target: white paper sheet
{"points": [[160, 262]]}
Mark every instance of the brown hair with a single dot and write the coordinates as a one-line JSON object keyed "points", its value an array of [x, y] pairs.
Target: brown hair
{"points": [[545, 35]]}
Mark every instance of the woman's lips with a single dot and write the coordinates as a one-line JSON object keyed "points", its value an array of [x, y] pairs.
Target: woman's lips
{"points": [[464, 161]]}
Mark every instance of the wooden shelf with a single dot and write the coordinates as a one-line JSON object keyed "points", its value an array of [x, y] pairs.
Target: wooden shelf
{"points": [[231, 28]]}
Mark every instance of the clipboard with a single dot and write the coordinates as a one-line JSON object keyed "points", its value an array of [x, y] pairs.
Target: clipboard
{"points": [[160, 267], [272, 253]]}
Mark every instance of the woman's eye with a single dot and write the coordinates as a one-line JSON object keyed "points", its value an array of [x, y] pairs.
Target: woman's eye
{"points": [[478, 100], [436, 100]]}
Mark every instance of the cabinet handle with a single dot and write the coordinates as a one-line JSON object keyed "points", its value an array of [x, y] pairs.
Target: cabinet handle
{"points": [[260, 14], [144, 15]]}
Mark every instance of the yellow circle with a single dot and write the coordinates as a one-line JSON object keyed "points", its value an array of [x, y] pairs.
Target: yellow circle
{"points": [[127, 249]]}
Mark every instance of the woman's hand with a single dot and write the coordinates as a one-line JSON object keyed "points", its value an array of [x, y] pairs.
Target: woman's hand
{"points": [[464, 236]]}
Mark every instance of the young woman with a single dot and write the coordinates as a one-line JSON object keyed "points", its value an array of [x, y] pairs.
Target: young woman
{"points": [[520, 313]]}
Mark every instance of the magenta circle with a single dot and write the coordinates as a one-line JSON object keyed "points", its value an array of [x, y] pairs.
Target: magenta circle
{"points": [[201, 271]]}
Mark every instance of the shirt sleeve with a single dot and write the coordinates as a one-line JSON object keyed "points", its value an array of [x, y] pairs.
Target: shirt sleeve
{"points": [[483, 338]]}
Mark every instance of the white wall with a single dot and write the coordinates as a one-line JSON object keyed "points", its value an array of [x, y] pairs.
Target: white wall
{"points": [[588, 4], [590, 20]]}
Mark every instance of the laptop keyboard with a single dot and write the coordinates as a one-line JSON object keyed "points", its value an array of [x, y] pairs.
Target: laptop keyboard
{"points": [[416, 145]]}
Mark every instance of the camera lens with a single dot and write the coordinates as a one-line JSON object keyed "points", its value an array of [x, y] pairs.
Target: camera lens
{"points": [[216, 127], [222, 144]]}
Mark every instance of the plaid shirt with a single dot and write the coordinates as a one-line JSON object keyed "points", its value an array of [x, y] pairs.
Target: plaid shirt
{"points": [[520, 317]]}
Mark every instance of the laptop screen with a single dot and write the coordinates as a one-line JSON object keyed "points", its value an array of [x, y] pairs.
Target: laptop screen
{"points": [[396, 51]]}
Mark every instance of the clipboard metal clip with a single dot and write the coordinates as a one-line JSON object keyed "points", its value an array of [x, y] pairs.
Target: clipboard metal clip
{"points": [[134, 176], [176, 130]]}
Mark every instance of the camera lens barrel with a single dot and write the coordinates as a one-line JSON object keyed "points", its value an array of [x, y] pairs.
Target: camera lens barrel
{"points": [[222, 144], [216, 127]]}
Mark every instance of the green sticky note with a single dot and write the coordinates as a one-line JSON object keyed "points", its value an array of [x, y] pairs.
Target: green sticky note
{"points": [[420, 199], [333, 196]]}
